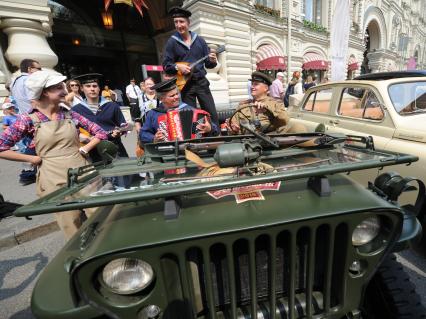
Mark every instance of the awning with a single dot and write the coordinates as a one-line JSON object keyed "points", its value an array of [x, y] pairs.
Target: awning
{"points": [[269, 57], [314, 61], [352, 64]]}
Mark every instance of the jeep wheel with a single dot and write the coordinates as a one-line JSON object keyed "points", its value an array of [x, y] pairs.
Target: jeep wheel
{"points": [[391, 294]]}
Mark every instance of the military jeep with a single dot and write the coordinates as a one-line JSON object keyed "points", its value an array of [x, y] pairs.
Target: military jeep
{"points": [[248, 226]]}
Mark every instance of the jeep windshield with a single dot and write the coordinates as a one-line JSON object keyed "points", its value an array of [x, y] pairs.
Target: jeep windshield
{"points": [[169, 172], [409, 98]]}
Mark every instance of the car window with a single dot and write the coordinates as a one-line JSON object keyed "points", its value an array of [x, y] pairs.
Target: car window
{"points": [[319, 101], [408, 98], [360, 103]]}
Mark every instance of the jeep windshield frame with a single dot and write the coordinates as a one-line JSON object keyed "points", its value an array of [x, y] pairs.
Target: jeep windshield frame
{"points": [[171, 177]]}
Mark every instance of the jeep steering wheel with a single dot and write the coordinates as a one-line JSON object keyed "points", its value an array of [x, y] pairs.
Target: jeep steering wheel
{"points": [[252, 122]]}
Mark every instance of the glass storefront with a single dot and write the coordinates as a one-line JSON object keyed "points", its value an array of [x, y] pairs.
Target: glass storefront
{"points": [[117, 48]]}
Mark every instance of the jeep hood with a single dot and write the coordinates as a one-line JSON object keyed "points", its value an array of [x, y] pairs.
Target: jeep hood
{"points": [[129, 227]]}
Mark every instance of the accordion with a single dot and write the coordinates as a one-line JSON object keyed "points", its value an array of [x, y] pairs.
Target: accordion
{"points": [[182, 124]]}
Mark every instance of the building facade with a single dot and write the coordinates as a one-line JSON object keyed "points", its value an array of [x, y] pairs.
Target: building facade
{"points": [[269, 35]]}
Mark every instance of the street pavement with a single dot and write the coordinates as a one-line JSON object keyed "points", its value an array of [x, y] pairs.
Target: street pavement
{"points": [[19, 268], [34, 246]]}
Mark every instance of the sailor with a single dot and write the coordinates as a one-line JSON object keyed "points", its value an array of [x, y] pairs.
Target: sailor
{"points": [[185, 47], [267, 114], [168, 96], [107, 114]]}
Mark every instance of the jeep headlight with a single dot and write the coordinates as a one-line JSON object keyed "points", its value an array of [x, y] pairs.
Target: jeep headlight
{"points": [[366, 231], [126, 276]]}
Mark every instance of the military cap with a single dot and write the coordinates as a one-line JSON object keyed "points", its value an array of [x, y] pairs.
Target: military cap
{"points": [[177, 12], [165, 86], [88, 78], [261, 77]]}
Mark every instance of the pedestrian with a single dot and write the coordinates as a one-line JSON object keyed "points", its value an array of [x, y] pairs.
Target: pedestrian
{"points": [[308, 83], [119, 95], [276, 89], [185, 47], [294, 87], [107, 114], [133, 92], [18, 89], [9, 112], [20, 94], [108, 94], [74, 92], [148, 101], [54, 134]]}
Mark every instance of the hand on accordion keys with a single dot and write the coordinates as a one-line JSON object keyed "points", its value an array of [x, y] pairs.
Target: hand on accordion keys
{"points": [[161, 135], [205, 126]]}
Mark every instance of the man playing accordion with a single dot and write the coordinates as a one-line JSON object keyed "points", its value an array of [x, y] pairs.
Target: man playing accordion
{"points": [[172, 120]]}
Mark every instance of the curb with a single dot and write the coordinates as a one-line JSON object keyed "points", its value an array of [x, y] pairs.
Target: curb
{"points": [[28, 235]]}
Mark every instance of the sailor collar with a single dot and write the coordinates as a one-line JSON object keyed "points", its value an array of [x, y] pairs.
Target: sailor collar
{"points": [[179, 39]]}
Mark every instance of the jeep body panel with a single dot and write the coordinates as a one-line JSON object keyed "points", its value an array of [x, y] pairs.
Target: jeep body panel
{"points": [[290, 250]]}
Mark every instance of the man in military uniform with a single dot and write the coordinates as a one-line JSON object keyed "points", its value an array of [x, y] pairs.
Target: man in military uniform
{"points": [[267, 114]]}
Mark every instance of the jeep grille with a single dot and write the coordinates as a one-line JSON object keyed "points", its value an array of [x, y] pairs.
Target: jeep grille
{"points": [[296, 272]]}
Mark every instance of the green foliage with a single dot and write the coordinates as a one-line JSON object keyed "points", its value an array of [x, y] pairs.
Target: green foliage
{"points": [[313, 26]]}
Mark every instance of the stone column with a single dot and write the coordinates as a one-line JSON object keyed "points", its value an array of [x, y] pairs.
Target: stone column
{"points": [[4, 75], [27, 40]]}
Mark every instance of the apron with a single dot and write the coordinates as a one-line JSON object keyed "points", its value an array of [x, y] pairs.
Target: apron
{"points": [[57, 143]]}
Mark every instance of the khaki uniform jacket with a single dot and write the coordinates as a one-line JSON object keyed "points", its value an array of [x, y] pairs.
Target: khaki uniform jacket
{"points": [[275, 121]]}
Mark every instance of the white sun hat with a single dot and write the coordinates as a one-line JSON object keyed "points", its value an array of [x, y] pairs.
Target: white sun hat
{"points": [[39, 80]]}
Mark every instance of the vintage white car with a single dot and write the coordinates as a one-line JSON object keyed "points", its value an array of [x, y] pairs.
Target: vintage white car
{"points": [[390, 107]]}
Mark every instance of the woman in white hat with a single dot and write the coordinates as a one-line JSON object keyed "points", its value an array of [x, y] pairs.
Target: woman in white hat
{"points": [[54, 133]]}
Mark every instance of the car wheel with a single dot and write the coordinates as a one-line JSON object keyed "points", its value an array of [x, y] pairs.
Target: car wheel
{"points": [[390, 294]]}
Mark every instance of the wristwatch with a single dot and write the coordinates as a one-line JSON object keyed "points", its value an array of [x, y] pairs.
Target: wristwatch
{"points": [[83, 151]]}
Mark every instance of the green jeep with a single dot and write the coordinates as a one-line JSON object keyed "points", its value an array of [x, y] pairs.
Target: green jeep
{"points": [[235, 227]]}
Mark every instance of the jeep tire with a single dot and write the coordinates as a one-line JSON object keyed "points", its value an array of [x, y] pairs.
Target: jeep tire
{"points": [[390, 294]]}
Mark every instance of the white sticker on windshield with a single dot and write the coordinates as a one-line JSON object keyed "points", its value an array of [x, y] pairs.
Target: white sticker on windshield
{"points": [[246, 193]]}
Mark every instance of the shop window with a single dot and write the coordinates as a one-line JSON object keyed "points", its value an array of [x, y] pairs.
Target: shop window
{"points": [[360, 103], [312, 10], [318, 101]]}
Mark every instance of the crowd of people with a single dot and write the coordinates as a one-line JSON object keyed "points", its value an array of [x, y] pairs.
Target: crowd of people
{"points": [[57, 125]]}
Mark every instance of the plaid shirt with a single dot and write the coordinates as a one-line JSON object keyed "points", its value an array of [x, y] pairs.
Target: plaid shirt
{"points": [[24, 127]]}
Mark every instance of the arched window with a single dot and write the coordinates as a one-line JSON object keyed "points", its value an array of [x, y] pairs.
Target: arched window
{"points": [[312, 10]]}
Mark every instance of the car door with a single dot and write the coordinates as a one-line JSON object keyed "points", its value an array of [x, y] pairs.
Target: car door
{"points": [[360, 111], [316, 109]]}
